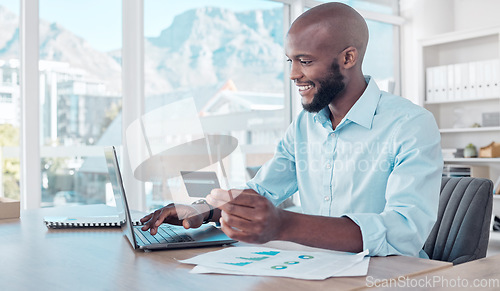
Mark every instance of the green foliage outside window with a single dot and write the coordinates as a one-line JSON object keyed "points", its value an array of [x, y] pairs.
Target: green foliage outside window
{"points": [[9, 136]]}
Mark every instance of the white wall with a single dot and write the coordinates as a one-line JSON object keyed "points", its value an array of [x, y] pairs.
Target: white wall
{"points": [[471, 14]]}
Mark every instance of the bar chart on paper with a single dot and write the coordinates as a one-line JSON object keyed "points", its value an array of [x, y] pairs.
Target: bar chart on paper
{"points": [[271, 262]]}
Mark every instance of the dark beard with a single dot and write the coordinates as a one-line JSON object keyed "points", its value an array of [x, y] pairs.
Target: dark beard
{"points": [[329, 88]]}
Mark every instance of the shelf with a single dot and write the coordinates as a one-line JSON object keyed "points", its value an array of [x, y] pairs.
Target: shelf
{"points": [[451, 49], [469, 161], [461, 100], [458, 36], [470, 129]]}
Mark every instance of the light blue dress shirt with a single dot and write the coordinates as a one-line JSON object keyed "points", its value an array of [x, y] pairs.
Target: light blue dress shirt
{"points": [[381, 167]]}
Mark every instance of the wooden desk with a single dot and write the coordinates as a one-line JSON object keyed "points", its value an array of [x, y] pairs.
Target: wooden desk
{"points": [[36, 258], [482, 274]]}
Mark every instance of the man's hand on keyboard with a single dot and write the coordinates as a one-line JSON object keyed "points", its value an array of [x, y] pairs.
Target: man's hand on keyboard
{"points": [[177, 214]]}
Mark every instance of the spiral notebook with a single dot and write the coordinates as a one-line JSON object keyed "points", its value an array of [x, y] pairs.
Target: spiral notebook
{"points": [[87, 221]]}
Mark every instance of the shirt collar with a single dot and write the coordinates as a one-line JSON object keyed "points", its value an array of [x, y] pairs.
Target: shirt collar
{"points": [[363, 111], [323, 115]]}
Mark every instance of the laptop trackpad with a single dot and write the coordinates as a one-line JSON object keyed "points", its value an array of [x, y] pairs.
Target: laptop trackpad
{"points": [[207, 232]]}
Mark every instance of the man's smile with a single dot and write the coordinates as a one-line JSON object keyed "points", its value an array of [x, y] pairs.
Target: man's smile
{"points": [[304, 89]]}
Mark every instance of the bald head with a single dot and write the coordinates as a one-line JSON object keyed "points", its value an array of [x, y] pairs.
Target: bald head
{"points": [[337, 25]]}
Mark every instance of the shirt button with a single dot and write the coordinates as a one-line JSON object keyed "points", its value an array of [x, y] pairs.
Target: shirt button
{"points": [[327, 198], [328, 166]]}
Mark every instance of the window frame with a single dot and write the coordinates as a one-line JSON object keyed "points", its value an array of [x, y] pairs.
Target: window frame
{"points": [[30, 181]]}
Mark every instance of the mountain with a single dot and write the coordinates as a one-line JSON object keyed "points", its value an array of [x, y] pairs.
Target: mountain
{"points": [[201, 47], [209, 45], [58, 44], [9, 34]]}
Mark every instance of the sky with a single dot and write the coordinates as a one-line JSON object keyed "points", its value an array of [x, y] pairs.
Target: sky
{"points": [[99, 21]]}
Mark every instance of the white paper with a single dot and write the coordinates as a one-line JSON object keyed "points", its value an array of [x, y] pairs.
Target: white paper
{"points": [[359, 269], [262, 261]]}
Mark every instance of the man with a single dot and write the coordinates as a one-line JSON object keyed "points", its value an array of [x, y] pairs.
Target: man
{"points": [[367, 164]]}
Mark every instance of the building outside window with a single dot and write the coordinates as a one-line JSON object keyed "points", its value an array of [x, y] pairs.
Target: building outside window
{"points": [[80, 93], [9, 101]]}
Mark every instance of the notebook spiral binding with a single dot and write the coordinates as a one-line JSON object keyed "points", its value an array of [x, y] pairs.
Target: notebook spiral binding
{"points": [[58, 224]]}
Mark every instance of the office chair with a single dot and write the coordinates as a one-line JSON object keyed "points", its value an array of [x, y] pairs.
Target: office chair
{"points": [[462, 229]]}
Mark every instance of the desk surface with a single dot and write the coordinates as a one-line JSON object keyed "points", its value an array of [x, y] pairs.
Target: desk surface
{"points": [[482, 274], [34, 257]]}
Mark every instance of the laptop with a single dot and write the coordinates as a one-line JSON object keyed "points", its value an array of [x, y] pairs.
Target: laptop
{"points": [[168, 236]]}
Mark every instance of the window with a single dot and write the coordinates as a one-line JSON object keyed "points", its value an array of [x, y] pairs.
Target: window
{"points": [[5, 98], [80, 97], [9, 100], [227, 57], [381, 58]]}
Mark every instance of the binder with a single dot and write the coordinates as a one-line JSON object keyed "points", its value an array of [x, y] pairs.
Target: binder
{"points": [[464, 70], [455, 82], [458, 82], [450, 82], [495, 77], [480, 79], [488, 79], [88, 221], [430, 84], [472, 80], [441, 83]]}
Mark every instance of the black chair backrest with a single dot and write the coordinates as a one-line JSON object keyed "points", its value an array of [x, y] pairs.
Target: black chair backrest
{"points": [[462, 229]]}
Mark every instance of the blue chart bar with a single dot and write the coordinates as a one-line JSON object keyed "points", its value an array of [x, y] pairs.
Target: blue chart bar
{"points": [[267, 253], [253, 259], [241, 264]]}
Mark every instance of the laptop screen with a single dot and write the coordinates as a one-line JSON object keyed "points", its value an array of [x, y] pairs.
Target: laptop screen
{"points": [[119, 192]]}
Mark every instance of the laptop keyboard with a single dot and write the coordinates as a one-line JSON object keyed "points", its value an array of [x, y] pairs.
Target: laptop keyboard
{"points": [[165, 235]]}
